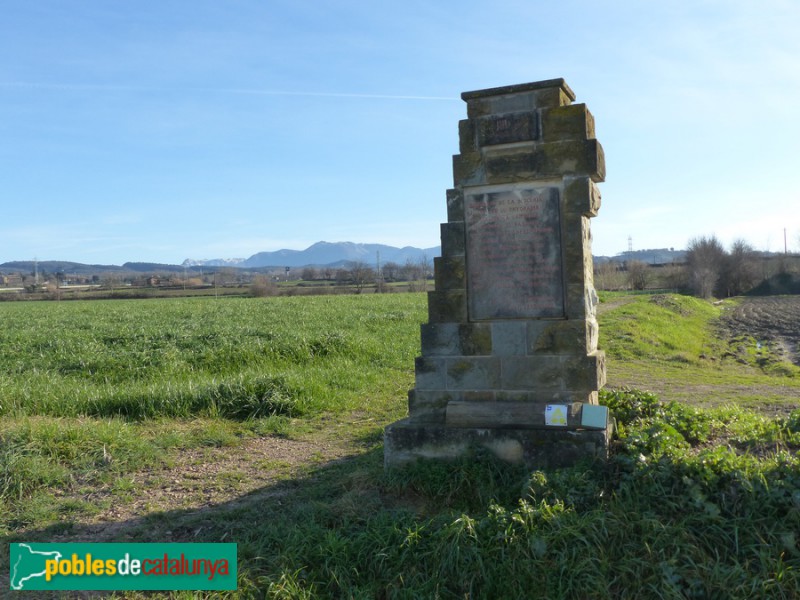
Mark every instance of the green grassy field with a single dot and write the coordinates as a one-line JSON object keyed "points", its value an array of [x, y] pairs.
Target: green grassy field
{"points": [[232, 357], [103, 404]]}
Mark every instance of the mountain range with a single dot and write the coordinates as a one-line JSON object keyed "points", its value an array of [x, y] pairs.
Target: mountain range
{"points": [[317, 255], [324, 254], [321, 254]]}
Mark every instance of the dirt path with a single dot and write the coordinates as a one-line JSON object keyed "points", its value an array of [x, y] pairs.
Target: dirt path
{"points": [[612, 304], [199, 479], [192, 493], [207, 477]]}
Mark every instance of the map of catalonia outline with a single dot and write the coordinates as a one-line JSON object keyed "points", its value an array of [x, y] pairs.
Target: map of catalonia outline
{"points": [[16, 582]]}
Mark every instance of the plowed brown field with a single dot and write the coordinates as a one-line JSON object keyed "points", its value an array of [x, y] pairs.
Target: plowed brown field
{"points": [[772, 320]]}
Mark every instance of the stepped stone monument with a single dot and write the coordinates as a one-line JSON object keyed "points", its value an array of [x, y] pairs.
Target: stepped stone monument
{"points": [[509, 354]]}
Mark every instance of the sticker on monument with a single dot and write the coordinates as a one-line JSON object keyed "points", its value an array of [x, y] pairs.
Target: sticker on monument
{"points": [[594, 416], [556, 415]]}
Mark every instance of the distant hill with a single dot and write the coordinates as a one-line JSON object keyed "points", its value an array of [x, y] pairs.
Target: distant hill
{"points": [[317, 255], [326, 254], [321, 254], [145, 267], [57, 266], [656, 256]]}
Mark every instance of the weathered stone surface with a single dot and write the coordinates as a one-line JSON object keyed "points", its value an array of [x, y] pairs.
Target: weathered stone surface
{"points": [[543, 374], [429, 373], [511, 324], [581, 196], [455, 205], [514, 166], [507, 129], [587, 372], [426, 406], [514, 254], [440, 339], [405, 442], [456, 339], [542, 161], [448, 306], [518, 98], [468, 168], [538, 396], [449, 272], [467, 137], [473, 373], [506, 414], [581, 302], [562, 337], [577, 251], [509, 338], [573, 122], [453, 241]]}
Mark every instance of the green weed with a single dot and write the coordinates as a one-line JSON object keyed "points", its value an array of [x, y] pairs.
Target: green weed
{"points": [[692, 502], [682, 509]]}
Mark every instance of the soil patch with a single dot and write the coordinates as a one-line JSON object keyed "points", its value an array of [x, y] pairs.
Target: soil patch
{"points": [[771, 320], [199, 479]]}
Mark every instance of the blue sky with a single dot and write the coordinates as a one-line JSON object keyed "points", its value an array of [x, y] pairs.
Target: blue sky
{"points": [[158, 131]]}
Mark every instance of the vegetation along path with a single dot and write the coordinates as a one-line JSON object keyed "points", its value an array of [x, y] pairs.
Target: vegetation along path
{"points": [[738, 351]]}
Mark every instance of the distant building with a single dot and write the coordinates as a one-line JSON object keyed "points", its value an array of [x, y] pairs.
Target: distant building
{"points": [[656, 257], [13, 279]]}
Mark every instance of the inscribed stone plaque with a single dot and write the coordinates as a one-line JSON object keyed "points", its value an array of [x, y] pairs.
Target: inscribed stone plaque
{"points": [[514, 268], [506, 129]]}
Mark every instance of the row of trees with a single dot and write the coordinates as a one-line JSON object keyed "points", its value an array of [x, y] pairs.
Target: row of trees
{"points": [[359, 270], [355, 277], [708, 270], [714, 271]]}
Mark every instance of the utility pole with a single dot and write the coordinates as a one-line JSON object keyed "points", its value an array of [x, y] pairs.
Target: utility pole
{"points": [[378, 274]]}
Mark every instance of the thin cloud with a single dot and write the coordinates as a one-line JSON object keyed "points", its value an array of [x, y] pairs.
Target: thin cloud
{"points": [[237, 91]]}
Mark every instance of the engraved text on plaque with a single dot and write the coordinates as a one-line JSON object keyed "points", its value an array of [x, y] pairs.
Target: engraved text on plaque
{"points": [[514, 268]]}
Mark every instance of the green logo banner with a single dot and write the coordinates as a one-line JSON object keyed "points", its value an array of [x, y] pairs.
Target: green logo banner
{"points": [[123, 566]]}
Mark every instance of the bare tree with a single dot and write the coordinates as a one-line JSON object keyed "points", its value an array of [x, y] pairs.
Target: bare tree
{"points": [[112, 281], [391, 271], [638, 274], [607, 275], [361, 274], [416, 273], [262, 287], [740, 271], [705, 258]]}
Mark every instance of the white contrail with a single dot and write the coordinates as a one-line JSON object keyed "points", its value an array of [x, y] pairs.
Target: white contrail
{"points": [[241, 91]]}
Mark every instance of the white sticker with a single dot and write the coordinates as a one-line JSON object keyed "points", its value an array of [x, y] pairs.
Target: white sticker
{"points": [[556, 415]]}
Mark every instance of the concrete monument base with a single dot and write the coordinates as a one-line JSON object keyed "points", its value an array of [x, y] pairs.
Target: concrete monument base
{"points": [[406, 441]]}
